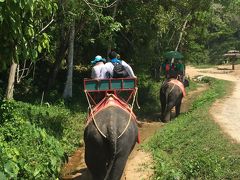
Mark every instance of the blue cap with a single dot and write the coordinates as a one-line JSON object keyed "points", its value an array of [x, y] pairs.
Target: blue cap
{"points": [[98, 59]]}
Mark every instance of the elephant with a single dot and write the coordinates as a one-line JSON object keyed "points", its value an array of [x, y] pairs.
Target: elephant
{"points": [[109, 138], [171, 93]]}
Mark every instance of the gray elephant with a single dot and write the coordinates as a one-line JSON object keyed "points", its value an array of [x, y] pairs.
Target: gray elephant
{"points": [[171, 93], [109, 139]]}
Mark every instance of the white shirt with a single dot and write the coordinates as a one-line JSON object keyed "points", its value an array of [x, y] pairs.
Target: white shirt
{"points": [[99, 71], [109, 67]]}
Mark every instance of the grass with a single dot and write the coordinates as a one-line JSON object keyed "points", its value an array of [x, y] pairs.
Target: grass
{"points": [[193, 146]]}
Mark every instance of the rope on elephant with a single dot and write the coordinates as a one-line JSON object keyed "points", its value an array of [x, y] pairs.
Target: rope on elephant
{"points": [[172, 88], [137, 99], [91, 111], [129, 120]]}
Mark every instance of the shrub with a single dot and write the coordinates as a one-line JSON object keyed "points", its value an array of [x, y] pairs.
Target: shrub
{"points": [[27, 151]]}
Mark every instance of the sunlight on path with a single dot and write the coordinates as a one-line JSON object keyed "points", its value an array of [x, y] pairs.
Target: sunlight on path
{"points": [[229, 116], [226, 112]]}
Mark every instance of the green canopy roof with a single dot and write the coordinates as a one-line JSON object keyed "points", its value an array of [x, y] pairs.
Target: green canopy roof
{"points": [[173, 54]]}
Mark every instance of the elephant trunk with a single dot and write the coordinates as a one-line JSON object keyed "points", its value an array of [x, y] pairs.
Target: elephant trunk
{"points": [[112, 138]]}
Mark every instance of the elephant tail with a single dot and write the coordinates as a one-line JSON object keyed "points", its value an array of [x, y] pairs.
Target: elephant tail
{"points": [[112, 138]]}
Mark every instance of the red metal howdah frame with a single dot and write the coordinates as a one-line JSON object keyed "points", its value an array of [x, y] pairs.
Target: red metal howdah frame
{"points": [[96, 94]]}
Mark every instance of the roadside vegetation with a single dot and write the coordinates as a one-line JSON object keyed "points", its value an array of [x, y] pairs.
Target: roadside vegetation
{"points": [[35, 140], [193, 146]]}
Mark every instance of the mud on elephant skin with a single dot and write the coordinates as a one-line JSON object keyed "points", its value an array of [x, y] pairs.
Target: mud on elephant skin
{"points": [[106, 157], [171, 93]]}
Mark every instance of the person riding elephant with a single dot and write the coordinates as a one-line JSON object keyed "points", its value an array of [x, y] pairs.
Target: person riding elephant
{"points": [[117, 68], [98, 70]]}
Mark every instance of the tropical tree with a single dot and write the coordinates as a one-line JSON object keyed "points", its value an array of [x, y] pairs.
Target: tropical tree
{"points": [[224, 29], [22, 35], [94, 24]]}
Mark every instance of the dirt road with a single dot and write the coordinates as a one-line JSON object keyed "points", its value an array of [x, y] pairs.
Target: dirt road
{"points": [[225, 111], [139, 165]]}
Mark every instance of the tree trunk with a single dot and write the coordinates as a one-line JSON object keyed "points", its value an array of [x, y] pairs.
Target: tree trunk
{"points": [[181, 33], [233, 66], [110, 41], [11, 81], [68, 86], [63, 41], [60, 54], [59, 57]]}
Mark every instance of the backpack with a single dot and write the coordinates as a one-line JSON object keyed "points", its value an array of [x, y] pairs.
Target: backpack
{"points": [[119, 71]]}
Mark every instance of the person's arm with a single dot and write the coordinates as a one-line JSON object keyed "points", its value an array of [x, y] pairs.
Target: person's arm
{"points": [[104, 73], [93, 73], [109, 69], [128, 69]]}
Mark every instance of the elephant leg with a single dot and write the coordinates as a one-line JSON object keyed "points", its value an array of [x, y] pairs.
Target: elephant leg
{"points": [[178, 106], [96, 163], [167, 114], [125, 147], [95, 153], [163, 105], [118, 167]]}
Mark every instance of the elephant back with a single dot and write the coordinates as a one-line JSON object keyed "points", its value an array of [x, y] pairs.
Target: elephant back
{"points": [[112, 114]]}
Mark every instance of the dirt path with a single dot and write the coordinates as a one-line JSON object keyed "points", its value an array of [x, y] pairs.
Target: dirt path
{"points": [[139, 165], [76, 169], [225, 111]]}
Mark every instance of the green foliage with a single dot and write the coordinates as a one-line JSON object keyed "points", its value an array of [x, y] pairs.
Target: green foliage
{"points": [[223, 30], [26, 151], [192, 146], [21, 23], [58, 122], [149, 93], [34, 139]]}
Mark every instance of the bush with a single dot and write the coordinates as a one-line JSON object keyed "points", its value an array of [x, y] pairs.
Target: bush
{"points": [[34, 139], [149, 93], [27, 151]]}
